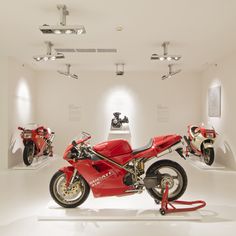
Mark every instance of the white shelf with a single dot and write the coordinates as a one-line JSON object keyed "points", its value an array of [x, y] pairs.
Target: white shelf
{"points": [[198, 163], [36, 164]]}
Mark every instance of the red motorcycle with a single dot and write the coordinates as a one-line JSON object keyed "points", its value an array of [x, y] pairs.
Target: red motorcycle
{"points": [[112, 168], [37, 142]]}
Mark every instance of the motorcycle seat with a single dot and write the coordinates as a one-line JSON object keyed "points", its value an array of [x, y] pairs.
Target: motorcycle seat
{"points": [[144, 148]]}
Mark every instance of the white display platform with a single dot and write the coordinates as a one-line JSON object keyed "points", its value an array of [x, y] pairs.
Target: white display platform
{"points": [[36, 164], [119, 132], [198, 163], [53, 212], [122, 133]]}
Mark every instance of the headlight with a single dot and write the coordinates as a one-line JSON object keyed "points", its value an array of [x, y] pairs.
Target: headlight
{"points": [[27, 135], [210, 135]]}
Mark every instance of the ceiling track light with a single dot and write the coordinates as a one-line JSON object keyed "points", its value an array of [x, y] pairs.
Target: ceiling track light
{"points": [[171, 72], [67, 72], [49, 56], [120, 69], [165, 56], [62, 28]]}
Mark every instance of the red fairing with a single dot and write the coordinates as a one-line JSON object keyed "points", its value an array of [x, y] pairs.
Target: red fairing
{"points": [[113, 148], [164, 142], [118, 150], [104, 179]]}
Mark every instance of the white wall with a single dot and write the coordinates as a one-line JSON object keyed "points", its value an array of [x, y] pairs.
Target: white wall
{"points": [[97, 95], [21, 106], [3, 112], [223, 74]]}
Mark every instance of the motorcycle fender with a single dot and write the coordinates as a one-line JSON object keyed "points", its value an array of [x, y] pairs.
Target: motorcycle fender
{"points": [[207, 145], [68, 171]]}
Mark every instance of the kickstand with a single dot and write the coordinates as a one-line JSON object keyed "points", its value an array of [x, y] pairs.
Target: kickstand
{"points": [[168, 207]]}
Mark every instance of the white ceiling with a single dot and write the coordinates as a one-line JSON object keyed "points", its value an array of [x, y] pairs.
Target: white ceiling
{"points": [[201, 31]]}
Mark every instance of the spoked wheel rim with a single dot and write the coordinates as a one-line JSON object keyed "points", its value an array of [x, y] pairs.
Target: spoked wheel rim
{"points": [[171, 177], [70, 195]]}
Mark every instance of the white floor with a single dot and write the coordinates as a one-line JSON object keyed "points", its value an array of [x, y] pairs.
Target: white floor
{"points": [[24, 195]]}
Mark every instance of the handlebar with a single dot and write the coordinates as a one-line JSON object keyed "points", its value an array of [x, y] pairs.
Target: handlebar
{"points": [[20, 128], [85, 137]]}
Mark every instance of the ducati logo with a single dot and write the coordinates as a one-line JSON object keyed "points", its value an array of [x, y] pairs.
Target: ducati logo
{"points": [[100, 179]]}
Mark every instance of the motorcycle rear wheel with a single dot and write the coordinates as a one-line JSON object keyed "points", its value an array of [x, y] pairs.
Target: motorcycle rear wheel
{"points": [[28, 154], [68, 197], [208, 156], [172, 174]]}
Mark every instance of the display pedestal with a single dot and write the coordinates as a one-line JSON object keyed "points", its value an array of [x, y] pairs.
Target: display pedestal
{"points": [[37, 163], [122, 133], [198, 163]]}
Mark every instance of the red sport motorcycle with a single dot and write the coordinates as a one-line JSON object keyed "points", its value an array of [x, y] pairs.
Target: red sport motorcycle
{"points": [[37, 142], [112, 168]]}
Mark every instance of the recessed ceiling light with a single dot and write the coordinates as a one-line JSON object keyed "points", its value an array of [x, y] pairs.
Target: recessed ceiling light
{"points": [[119, 28], [120, 68]]}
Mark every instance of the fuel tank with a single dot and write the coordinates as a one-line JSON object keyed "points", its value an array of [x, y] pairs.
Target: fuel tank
{"points": [[119, 150]]}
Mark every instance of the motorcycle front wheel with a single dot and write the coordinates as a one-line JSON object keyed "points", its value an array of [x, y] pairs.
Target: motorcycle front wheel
{"points": [[208, 156], [28, 154], [68, 197], [172, 174]]}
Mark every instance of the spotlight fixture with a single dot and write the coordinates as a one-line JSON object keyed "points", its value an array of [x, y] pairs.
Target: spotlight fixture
{"points": [[49, 56], [165, 55], [120, 68], [67, 72], [171, 72], [62, 28]]}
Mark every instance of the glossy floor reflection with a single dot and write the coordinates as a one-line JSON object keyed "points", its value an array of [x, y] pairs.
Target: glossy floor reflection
{"points": [[24, 194]]}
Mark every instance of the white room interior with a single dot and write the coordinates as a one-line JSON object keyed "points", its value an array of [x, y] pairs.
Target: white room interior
{"points": [[202, 32]]}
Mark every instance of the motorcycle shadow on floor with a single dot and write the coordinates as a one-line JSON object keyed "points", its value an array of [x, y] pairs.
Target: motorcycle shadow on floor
{"points": [[218, 214], [211, 214]]}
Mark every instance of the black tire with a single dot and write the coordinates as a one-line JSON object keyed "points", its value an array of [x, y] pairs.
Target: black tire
{"points": [[28, 154], [181, 174], [59, 199], [208, 156]]}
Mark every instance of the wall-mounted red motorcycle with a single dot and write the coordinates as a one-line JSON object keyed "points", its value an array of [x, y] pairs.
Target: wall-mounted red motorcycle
{"points": [[112, 168], [37, 142]]}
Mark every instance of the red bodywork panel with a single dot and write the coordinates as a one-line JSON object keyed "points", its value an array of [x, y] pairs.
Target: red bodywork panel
{"points": [[113, 148], [107, 179]]}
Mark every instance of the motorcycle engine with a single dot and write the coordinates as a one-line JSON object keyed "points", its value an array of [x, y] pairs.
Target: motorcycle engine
{"points": [[128, 179]]}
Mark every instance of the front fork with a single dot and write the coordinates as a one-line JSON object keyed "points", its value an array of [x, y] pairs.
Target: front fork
{"points": [[70, 174], [72, 178]]}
